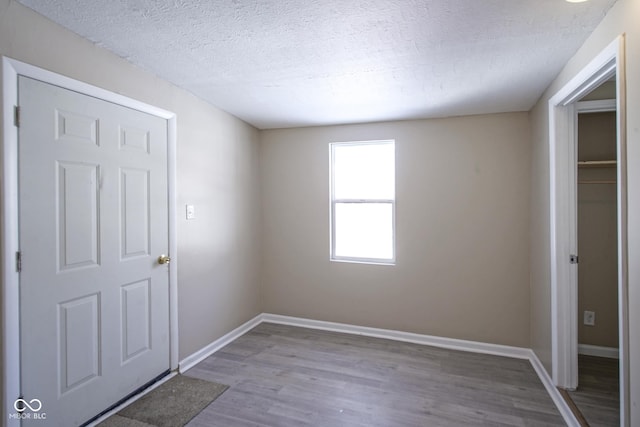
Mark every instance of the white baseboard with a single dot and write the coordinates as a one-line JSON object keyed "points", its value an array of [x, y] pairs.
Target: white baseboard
{"points": [[203, 353], [596, 350], [553, 392], [442, 342]]}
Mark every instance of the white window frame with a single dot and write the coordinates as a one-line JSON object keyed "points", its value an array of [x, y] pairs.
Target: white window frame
{"points": [[334, 201]]}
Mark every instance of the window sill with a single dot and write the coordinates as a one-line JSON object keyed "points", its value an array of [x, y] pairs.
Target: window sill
{"points": [[364, 261]]}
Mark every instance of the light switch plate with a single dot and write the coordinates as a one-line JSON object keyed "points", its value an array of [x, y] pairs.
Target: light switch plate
{"points": [[191, 212]]}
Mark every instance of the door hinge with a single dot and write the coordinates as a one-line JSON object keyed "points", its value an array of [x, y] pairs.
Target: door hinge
{"points": [[16, 116], [573, 259], [18, 262]]}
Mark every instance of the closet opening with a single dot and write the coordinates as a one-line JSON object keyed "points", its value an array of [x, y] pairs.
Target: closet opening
{"points": [[596, 399]]}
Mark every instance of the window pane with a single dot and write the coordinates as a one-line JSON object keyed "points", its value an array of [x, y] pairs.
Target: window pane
{"points": [[364, 171], [364, 230]]}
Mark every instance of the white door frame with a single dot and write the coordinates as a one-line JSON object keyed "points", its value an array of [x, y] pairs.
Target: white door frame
{"points": [[11, 69], [563, 218]]}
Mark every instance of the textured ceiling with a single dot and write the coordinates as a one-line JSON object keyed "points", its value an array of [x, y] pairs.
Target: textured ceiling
{"points": [[284, 63]]}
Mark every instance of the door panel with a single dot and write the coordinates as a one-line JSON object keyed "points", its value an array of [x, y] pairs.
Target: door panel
{"points": [[135, 212], [94, 302], [136, 328], [77, 197], [79, 334], [134, 139], [75, 127]]}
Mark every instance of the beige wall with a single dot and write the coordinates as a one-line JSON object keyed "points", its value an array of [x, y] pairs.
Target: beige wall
{"points": [[606, 90], [622, 18], [462, 230], [217, 171], [597, 231]]}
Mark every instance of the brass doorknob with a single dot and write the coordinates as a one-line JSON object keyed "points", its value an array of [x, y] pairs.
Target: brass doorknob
{"points": [[163, 259]]}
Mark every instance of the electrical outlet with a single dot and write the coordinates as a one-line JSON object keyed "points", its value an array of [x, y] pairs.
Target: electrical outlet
{"points": [[589, 318], [191, 212]]}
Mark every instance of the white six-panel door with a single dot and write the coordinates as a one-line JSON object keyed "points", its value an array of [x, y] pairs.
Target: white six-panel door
{"points": [[94, 301]]}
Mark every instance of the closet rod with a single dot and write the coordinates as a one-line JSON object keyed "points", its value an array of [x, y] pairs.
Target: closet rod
{"points": [[597, 164], [597, 182]]}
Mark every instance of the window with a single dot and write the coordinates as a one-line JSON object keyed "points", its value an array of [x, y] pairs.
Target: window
{"points": [[363, 201]]}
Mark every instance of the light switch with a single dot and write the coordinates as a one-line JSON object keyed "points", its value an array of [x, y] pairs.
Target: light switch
{"points": [[191, 212]]}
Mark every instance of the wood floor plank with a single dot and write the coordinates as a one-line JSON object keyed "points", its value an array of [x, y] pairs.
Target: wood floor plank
{"points": [[283, 376], [598, 393]]}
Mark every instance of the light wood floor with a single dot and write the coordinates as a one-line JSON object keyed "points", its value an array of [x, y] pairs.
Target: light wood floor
{"points": [[598, 393], [288, 376]]}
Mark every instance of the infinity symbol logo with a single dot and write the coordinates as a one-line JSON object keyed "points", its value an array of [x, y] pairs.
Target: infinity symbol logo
{"points": [[37, 405]]}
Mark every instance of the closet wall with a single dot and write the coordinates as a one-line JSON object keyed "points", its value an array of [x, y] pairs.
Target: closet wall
{"points": [[597, 230]]}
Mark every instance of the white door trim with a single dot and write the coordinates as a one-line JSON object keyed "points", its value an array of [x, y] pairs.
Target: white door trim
{"points": [[11, 69], [563, 223]]}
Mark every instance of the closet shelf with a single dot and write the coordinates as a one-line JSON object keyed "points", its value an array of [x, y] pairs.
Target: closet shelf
{"points": [[598, 164]]}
